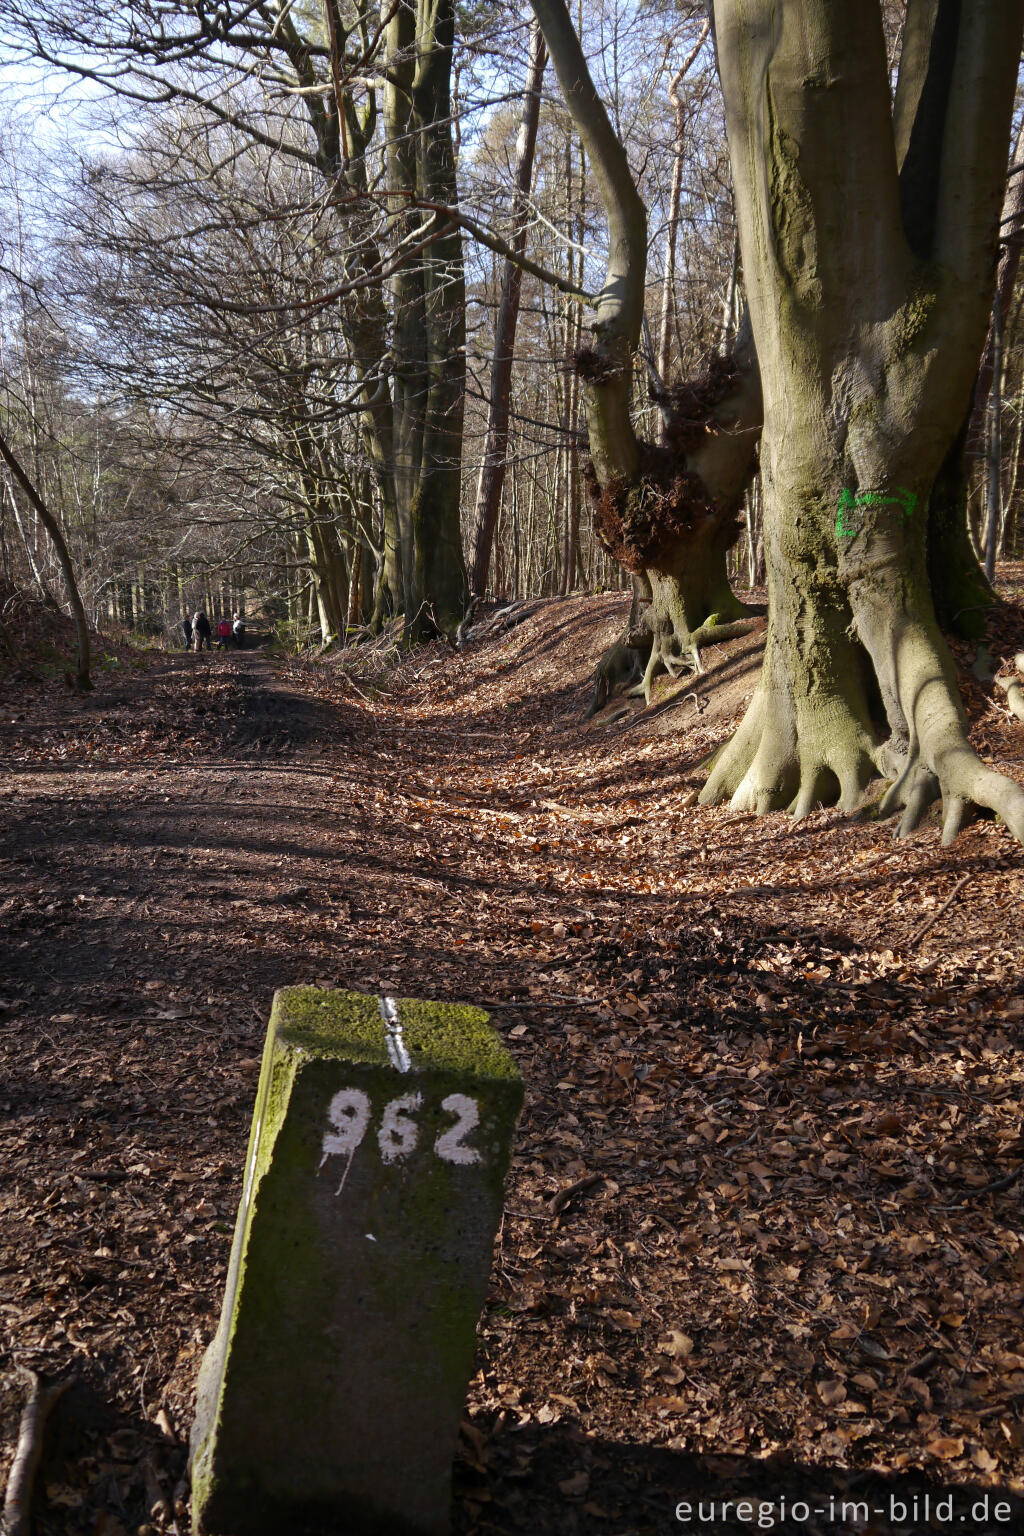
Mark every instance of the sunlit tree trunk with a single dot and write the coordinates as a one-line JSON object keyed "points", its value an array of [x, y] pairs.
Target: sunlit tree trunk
{"points": [[868, 242], [667, 513], [674, 202]]}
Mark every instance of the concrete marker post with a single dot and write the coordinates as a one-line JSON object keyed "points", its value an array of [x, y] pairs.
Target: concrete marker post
{"points": [[330, 1398]]}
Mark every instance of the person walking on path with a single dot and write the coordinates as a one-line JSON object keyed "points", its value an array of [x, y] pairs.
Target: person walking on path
{"points": [[238, 631], [223, 634], [186, 630], [201, 630]]}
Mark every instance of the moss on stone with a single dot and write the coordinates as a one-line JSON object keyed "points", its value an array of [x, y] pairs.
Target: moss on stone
{"points": [[452, 1037], [354, 1286]]}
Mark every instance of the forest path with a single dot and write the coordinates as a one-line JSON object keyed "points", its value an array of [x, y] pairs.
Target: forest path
{"points": [[722, 1026]]}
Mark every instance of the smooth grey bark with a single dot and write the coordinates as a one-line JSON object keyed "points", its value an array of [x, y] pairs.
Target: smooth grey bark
{"points": [[868, 238], [1011, 234], [409, 366], [495, 454], [994, 456], [620, 304], [961, 588], [688, 495], [430, 315]]}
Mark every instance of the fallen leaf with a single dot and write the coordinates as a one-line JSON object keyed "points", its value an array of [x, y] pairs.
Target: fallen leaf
{"points": [[678, 1345]]}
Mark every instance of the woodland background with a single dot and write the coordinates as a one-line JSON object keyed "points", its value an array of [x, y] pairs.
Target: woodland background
{"points": [[763, 1231], [178, 381]]}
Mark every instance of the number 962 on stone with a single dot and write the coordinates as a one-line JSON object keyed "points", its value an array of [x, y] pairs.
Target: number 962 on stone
{"points": [[398, 1132]]}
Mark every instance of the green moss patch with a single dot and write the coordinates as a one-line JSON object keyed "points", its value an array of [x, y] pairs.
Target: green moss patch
{"points": [[374, 1185], [447, 1037]]}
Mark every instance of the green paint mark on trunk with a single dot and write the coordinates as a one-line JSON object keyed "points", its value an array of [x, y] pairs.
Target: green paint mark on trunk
{"points": [[852, 504]]}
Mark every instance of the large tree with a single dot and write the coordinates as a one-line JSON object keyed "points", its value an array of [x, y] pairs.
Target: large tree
{"points": [[666, 511], [868, 233]]}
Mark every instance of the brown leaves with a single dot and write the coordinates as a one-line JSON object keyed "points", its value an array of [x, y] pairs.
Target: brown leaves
{"points": [[677, 1345], [742, 1216]]}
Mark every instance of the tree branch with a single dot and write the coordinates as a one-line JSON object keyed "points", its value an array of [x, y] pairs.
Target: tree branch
{"points": [[53, 528]]}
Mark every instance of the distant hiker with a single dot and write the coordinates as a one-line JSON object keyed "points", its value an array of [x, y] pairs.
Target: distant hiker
{"points": [[201, 629], [223, 633], [238, 631], [186, 630]]}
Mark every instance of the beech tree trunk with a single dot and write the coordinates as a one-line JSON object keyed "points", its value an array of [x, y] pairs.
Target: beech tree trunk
{"points": [[674, 202], [668, 513], [1011, 233], [411, 372], [430, 316], [961, 588], [868, 239]]}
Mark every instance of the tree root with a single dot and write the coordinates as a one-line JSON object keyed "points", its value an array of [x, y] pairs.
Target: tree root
{"points": [[964, 785], [799, 749], [1013, 689], [777, 761], [916, 673], [17, 1513], [767, 766], [618, 667], [680, 654]]}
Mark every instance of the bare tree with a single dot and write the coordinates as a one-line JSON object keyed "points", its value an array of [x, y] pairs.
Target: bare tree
{"points": [[56, 536], [495, 454]]}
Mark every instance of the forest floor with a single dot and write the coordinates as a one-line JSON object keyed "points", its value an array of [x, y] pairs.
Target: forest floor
{"points": [[764, 1237]]}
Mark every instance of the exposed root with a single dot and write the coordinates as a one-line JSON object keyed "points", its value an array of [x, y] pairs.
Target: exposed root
{"points": [[789, 758], [679, 654], [801, 747], [915, 669], [1011, 686], [618, 667], [771, 765], [713, 631], [963, 784], [17, 1511]]}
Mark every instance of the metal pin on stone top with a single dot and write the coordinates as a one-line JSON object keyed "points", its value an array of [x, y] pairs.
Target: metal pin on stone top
{"points": [[399, 1056]]}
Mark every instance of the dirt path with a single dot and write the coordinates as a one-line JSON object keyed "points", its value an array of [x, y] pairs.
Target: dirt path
{"points": [[723, 1025]]}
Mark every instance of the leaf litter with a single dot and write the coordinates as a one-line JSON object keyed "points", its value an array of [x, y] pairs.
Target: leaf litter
{"points": [[763, 1235]]}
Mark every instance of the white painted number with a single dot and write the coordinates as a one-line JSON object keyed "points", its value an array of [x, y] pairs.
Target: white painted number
{"points": [[398, 1131], [467, 1115], [349, 1117], [349, 1114]]}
